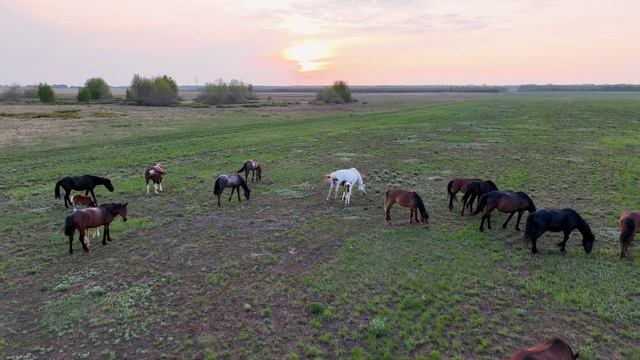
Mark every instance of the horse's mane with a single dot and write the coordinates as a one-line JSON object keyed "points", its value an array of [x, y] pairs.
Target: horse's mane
{"points": [[420, 205], [582, 225], [526, 197], [492, 184], [111, 207]]}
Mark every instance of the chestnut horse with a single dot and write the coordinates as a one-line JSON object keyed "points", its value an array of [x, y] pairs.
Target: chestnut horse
{"points": [[474, 191], [233, 181], [557, 220], [455, 185], [93, 218], [155, 174], [85, 201], [629, 225], [253, 166], [554, 349], [506, 202], [84, 182], [409, 199]]}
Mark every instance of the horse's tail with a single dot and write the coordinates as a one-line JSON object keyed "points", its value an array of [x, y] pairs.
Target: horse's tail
{"points": [[481, 203], [68, 226], [627, 233], [218, 187], [420, 205], [449, 186], [57, 189], [529, 228]]}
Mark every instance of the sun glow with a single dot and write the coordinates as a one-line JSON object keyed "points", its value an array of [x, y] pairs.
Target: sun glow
{"points": [[310, 55]]}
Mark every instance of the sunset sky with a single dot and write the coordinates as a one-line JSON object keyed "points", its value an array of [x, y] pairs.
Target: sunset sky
{"points": [[315, 42]]}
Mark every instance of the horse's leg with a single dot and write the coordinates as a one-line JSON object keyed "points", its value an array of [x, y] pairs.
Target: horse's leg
{"points": [[465, 198], [489, 221], [71, 241], [147, 186], [416, 214], [155, 188], [470, 204], [484, 217], [108, 230], [160, 185], [94, 197], [82, 235], [411, 217], [387, 210], [238, 192], [451, 195], [232, 189], [66, 198], [564, 241], [504, 226], [518, 221], [330, 189], [253, 174], [104, 235]]}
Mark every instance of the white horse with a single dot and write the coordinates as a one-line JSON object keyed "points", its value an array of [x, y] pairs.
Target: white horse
{"points": [[341, 177]]}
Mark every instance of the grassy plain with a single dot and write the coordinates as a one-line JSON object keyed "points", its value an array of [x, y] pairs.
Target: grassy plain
{"points": [[288, 275]]}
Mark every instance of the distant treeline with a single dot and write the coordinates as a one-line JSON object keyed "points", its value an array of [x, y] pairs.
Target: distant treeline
{"points": [[579, 87], [389, 89]]}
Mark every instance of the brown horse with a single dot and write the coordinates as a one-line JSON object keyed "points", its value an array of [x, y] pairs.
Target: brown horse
{"points": [[253, 166], [93, 218], [506, 202], [629, 225], [409, 199], [86, 201], [456, 185], [155, 174], [554, 349], [474, 191]]}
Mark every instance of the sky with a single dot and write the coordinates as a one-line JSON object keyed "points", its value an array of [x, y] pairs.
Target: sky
{"points": [[299, 42]]}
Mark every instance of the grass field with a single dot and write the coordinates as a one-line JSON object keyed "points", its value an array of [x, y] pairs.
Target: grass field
{"points": [[288, 275]]}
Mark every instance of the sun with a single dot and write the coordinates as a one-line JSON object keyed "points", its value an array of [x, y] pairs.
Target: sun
{"points": [[310, 55]]}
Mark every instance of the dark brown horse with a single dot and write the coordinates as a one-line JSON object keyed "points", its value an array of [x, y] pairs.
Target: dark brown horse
{"points": [[557, 220], [84, 219], [554, 349], [456, 185], [629, 225], [84, 182], [474, 191], [409, 199], [506, 202], [154, 173], [253, 166]]}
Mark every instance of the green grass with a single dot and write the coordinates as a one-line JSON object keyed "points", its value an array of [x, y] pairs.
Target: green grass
{"points": [[287, 275]]}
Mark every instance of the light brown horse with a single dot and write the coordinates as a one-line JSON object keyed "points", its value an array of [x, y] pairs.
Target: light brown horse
{"points": [[252, 166], [506, 202], [86, 201], [154, 173], [458, 185], [84, 219], [409, 199], [554, 349], [629, 225]]}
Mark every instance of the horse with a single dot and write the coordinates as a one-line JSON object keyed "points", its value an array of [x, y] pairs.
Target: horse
{"points": [[456, 185], [506, 202], [93, 218], [155, 174], [84, 182], [409, 199], [554, 349], [352, 176], [475, 190], [556, 220], [253, 166], [346, 195], [629, 225], [233, 181], [86, 201]]}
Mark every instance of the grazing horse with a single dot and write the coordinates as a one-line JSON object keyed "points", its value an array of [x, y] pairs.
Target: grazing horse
{"points": [[233, 181], [86, 201], [93, 218], [506, 202], [338, 177], [155, 174], [85, 182], [556, 220], [629, 225], [475, 190], [409, 199], [253, 166], [554, 349], [456, 185]]}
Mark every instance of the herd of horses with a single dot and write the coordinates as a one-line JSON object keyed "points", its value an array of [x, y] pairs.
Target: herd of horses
{"points": [[485, 194]]}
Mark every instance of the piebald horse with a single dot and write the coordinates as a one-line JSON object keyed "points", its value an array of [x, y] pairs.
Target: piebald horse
{"points": [[252, 166], [339, 177], [554, 349], [84, 219], [235, 182], [456, 185], [409, 199], [629, 225], [154, 173]]}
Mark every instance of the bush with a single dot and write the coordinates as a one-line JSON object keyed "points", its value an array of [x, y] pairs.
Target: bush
{"points": [[84, 94], [157, 91], [99, 88], [13, 93], [338, 93], [46, 94], [235, 92]]}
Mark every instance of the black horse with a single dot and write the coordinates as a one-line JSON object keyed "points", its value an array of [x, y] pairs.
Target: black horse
{"points": [[84, 182], [556, 220], [234, 181], [474, 191]]}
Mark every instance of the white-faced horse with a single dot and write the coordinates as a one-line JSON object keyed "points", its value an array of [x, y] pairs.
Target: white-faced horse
{"points": [[155, 174], [340, 177]]}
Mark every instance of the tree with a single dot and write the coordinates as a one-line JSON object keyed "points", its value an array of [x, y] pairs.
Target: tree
{"points": [[99, 88], [338, 93], [13, 93], [157, 91], [235, 92], [46, 94], [84, 94]]}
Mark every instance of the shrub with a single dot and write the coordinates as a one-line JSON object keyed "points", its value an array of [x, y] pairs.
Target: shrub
{"points": [[99, 88], [235, 92], [338, 93], [157, 91], [46, 94], [13, 93], [84, 94]]}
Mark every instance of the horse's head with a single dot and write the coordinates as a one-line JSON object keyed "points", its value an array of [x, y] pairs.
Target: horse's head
{"points": [[587, 241], [424, 218], [361, 187], [108, 185], [247, 193], [123, 211]]}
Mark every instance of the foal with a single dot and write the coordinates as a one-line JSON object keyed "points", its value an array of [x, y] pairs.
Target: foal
{"points": [[155, 174], [92, 218], [455, 185], [409, 199], [346, 195], [85, 201], [554, 349], [629, 225], [556, 220], [506, 202], [233, 181], [475, 190], [253, 166]]}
